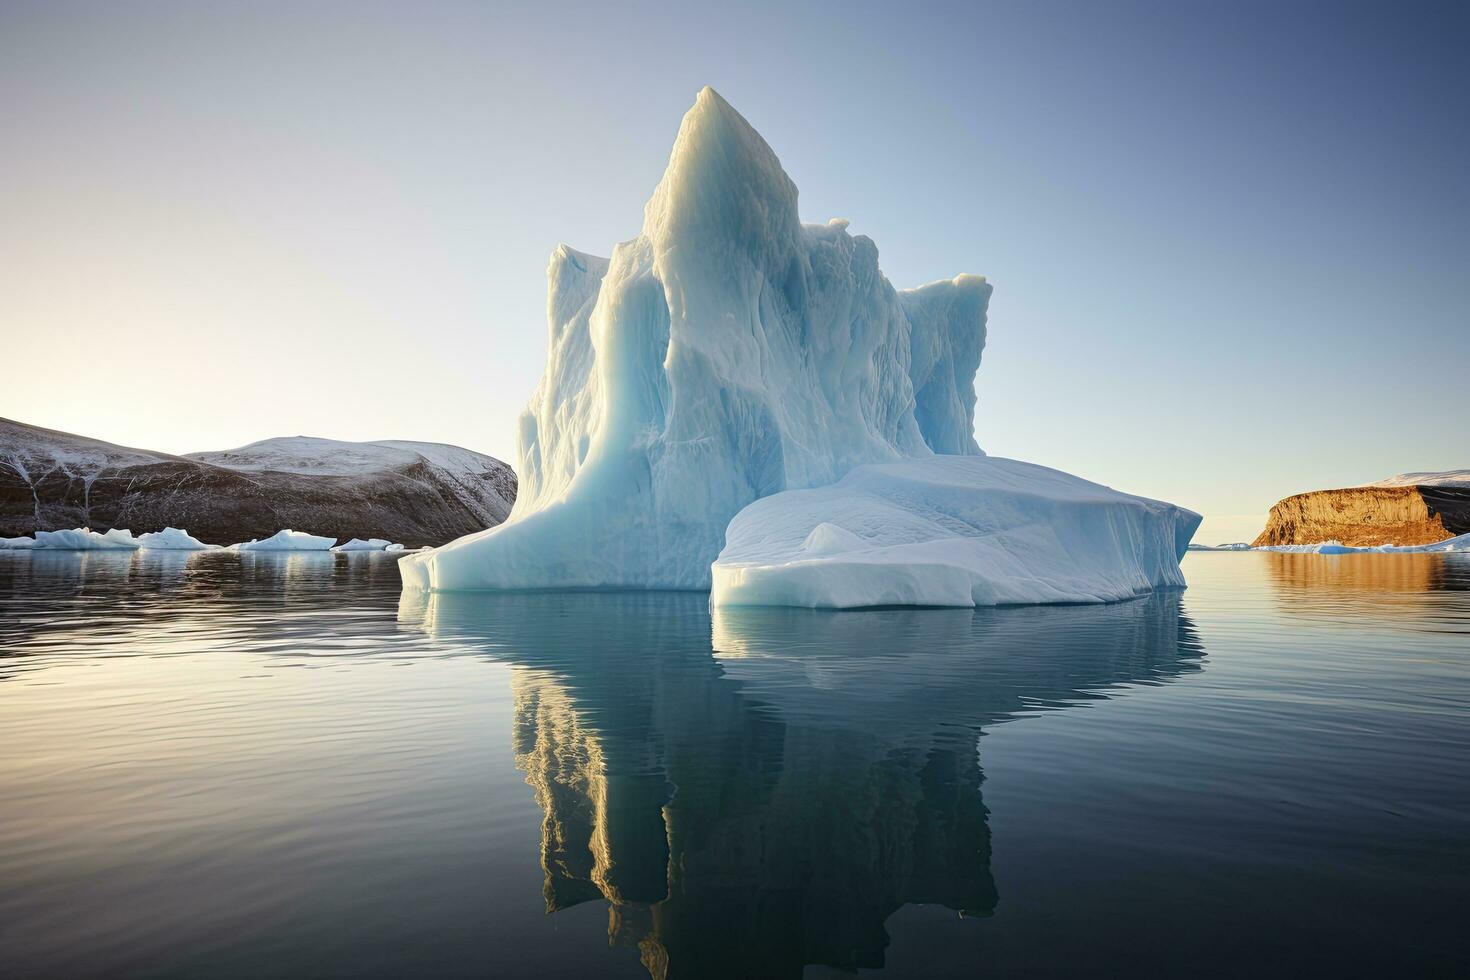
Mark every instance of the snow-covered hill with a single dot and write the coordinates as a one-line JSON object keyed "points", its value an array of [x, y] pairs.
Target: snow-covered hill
{"points": [[418, 493], [311, 454], [486, 485], [1448, 478]]}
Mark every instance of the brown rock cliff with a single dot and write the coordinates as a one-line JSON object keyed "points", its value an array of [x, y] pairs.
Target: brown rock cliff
{"points": [[1368, 516]]}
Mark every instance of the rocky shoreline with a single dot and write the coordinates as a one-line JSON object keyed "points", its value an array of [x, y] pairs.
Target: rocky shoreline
{"points": [[416, 494]]}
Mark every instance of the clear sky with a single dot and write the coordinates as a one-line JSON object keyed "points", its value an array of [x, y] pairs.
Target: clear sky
{"points": [[1229, 242]]}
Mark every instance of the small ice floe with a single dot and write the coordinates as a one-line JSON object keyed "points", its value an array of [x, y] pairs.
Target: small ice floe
{"points": [[1458, 543], [287, 540], [85, 539], [118, 539], [172, 539], [371, 544]]}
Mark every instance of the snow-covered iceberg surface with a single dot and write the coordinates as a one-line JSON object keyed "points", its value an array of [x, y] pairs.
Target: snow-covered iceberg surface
{"points": [[1458, 543], [951, 531], [730, 353], [288, 540]]}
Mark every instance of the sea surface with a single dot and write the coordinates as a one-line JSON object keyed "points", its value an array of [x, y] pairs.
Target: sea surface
{"points": [[246, 765]]}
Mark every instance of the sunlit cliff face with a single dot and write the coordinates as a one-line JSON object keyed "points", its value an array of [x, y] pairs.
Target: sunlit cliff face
{"points": [[1369, 516]]}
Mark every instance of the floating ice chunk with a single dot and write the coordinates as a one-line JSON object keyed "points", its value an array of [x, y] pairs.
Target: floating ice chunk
{"points": [[1458, 543], [117, 539], [951, 531], [371, 544], [172, 539], [84, 539], [288, 540], [22, 543]]}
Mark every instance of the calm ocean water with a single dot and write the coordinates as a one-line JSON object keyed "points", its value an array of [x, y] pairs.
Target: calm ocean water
{"points": [[247, 765]]}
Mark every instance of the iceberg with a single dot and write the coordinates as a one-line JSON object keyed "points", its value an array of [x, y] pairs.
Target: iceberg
{"points": [[84, 539], [950, 531], [1460, 542], [288, 540], [172, 539], [733, 364], [371, 544], [118, 539]]}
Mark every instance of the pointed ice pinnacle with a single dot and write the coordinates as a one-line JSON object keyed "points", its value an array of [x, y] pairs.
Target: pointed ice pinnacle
{"points": [[727, 353]]}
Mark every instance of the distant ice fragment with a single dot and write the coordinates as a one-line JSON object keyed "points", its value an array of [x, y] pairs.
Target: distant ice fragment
{"points": [[371, 544], [950, 531], [172, 539], [1458, 543], [288, 540], [22, 543], [117, 539], [84, 539]]}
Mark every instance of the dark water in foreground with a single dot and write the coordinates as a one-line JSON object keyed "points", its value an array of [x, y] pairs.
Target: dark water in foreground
{"points": [[237, 765]]}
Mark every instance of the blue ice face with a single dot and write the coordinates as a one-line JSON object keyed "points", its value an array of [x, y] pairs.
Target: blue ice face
{"points": [[725, 354]]}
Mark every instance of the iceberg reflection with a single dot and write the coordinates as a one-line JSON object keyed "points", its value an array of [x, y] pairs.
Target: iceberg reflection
{"points": [[761, 789]]}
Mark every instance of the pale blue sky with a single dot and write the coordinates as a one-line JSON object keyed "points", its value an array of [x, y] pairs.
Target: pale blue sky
{"points": [[1228, 241]]}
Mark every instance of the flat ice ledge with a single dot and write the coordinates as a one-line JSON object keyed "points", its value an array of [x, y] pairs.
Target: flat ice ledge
{"points": [[950, 531]]}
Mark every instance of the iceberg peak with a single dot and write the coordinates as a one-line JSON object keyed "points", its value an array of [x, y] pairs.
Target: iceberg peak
{"points": [[724, 188]]}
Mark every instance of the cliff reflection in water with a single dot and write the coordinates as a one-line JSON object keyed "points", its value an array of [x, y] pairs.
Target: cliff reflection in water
{"points": [[1332, 588], [761, 789]]}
